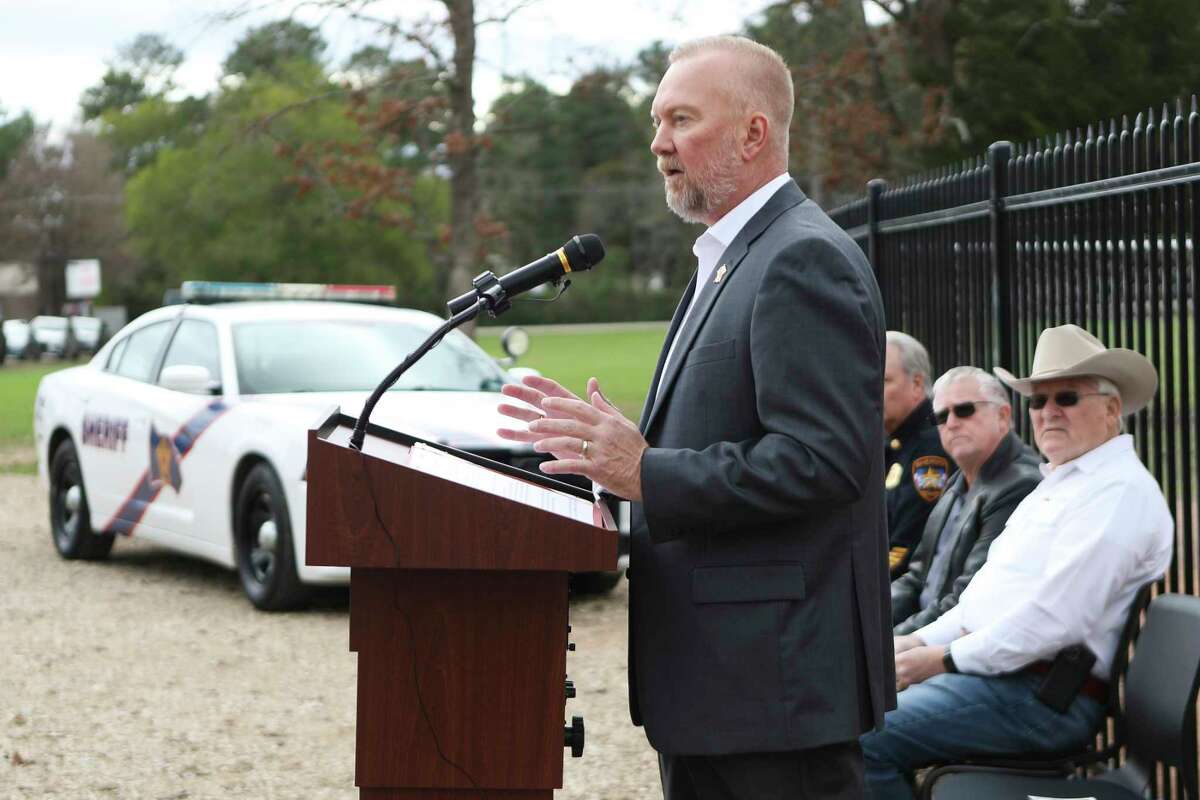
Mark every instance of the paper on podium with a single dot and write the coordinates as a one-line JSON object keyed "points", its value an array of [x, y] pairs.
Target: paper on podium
{"points": [[444, 465]]}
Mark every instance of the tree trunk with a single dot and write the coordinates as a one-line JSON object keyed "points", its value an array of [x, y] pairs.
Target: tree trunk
{"points": [[461, 145]]}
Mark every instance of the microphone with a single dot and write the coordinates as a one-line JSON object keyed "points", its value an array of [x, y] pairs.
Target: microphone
{"points": [[579, 254]]}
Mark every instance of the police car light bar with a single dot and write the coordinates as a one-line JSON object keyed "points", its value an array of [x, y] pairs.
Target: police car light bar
{"points": [[223, 291]]}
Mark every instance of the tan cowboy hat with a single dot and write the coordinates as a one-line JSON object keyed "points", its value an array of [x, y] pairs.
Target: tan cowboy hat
{"points": [[1069, 351]]}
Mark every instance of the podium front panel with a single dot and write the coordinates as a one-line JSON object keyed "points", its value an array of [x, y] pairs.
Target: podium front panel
{"points": [[460, 678]]}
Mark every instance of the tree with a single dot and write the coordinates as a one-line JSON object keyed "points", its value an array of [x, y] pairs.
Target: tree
{"points": [[130, 103], [60, 202], [271, 48], [143, 68], [997, 70], [14, 133], [853, 110], [237, 205], [444, 43]]}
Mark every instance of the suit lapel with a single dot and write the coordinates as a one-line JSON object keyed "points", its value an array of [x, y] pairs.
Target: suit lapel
{"points": [[680, 310], [786, 197]]}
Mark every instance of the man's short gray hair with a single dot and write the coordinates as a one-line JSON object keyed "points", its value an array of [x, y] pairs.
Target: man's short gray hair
{"points": [[765, 84], [1105, 386], [989, 385], [914, 358]]}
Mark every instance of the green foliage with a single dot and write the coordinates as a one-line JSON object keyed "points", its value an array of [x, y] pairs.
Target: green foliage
{"points": [[273, 47], [14, 133], [228, 207], [142, 69], [117, 91], [1023, 70], [138, 134]]}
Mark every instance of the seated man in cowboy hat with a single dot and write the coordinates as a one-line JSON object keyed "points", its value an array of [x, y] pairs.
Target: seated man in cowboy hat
{"points": [[1062, 574], [973, 415]]}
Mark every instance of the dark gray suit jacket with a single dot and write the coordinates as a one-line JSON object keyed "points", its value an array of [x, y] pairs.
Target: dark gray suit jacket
{"points": [[759, 616], [1005, 478]]}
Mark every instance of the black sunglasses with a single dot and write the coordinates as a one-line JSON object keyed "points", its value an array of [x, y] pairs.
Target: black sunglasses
{"points": [[961, 410], [1064, 399]]}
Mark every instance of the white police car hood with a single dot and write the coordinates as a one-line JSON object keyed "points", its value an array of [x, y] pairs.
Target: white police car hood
{"points": [[465, 420]]}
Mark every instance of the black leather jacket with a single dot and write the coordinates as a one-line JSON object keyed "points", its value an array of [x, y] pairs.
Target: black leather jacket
{"points": [[1010, 474]]}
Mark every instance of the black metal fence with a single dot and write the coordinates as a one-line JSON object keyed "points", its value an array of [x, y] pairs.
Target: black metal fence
{"points": [[1096, 228]]}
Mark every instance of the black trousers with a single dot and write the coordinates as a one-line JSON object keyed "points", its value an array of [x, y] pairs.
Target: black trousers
{"points": [[832, 771]]}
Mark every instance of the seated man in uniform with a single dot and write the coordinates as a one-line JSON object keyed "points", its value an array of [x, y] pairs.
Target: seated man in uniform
{"points": [[995, 472], [1061, 575], [917, 466]]}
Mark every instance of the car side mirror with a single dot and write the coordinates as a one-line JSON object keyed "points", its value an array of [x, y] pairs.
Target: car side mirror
{"points": [[190, 378], [515, 343]]}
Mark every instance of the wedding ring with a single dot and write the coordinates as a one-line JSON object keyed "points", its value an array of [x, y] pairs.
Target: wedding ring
{"points": [[586, 444]]}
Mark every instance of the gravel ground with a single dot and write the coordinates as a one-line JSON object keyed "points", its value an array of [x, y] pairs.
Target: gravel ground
{"points": [[149, 675]]}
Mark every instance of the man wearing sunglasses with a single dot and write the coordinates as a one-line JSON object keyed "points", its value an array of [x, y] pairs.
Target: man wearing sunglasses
{"points": [[986, 677], [917, 466], [995, 471]]}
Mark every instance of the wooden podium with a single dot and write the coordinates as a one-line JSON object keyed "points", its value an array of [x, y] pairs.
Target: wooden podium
{"points": [[458, 613]]}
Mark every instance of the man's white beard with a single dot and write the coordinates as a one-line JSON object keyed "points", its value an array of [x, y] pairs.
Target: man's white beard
{"points": [[706, 188]]}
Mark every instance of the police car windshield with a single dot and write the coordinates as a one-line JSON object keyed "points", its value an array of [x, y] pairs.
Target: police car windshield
{"points": [[342, 355]]}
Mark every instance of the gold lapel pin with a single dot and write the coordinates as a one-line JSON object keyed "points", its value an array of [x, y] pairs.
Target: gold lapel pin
{"points": [[720, 274]]}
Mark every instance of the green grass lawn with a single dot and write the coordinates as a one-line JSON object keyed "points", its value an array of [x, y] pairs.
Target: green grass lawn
{"points": [[622, 359], [18, 388]]}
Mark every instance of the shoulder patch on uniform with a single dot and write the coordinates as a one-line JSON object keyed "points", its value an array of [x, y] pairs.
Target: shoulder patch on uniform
{"points": [[930, 475], [893, 476]]}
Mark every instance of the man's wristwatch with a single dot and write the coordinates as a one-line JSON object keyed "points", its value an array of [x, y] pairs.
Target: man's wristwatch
{"points": [[948, 661]]}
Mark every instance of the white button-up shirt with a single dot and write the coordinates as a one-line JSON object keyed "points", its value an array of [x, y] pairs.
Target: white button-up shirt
{"points": [[714, 241], [1065, 568]]}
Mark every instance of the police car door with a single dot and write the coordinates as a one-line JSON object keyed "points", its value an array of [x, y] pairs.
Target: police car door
{"points": [[113, 431], [184, 403]]}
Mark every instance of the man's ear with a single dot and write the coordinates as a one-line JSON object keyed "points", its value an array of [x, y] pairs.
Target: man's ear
{"points": [[755, 138], [1113, 408]]}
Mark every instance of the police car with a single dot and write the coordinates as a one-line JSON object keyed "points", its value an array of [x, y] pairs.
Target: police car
{"points": [[188, 428]]}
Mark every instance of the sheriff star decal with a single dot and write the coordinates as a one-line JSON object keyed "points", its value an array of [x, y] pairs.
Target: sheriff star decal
{"points": [[164, 462], [929, 477]]}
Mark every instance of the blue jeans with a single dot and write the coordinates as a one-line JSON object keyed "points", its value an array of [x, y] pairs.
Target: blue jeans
{"points": [[951, 716]]}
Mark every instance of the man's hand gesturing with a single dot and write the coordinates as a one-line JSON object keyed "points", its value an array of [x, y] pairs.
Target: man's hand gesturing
{"points": [[586, 438]]}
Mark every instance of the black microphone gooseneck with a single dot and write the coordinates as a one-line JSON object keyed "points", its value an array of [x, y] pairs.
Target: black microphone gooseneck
{"points": [[360, 427], [490, 294]]}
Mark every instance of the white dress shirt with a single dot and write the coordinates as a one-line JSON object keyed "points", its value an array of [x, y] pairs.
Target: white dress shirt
{"points": [[714, 241], [1065, 568]]}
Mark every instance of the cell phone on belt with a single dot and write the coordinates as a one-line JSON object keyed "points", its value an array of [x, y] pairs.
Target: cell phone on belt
{"points": [[1068, 672]]}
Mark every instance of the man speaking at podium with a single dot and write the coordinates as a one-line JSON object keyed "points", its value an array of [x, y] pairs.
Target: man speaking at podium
{"points": [[760, 644]]}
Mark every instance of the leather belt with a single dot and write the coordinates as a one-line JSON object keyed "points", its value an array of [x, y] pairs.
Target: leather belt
{"points": [[1093, 687]]}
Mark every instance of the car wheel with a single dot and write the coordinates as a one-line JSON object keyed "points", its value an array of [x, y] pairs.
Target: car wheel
{"points": [[266, 560], [70, 519]]}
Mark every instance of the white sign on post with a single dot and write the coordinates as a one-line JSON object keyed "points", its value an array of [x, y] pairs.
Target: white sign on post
{"points": [[83, 279]]}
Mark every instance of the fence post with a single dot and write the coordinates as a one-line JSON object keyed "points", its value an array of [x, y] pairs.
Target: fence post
{"points": [[875, 189], [1003, 326]]}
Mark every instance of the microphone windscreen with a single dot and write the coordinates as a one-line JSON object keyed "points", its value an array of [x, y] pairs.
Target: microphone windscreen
{"points": [[589, 248]]}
